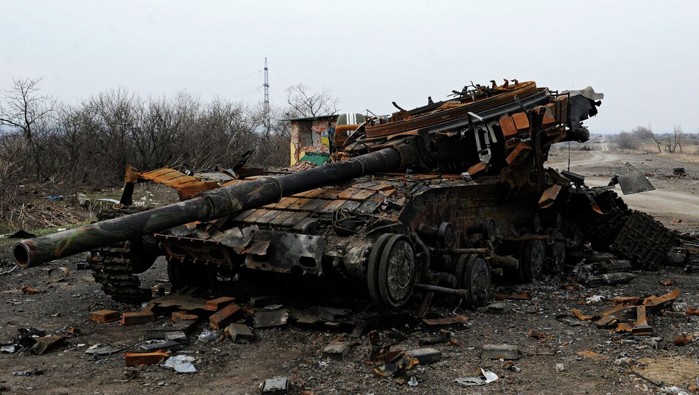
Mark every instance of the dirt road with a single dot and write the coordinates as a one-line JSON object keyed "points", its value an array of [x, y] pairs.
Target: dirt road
{"points": [[663, 203]]}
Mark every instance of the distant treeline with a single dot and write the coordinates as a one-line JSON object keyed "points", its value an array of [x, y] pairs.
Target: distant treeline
{"points": [[89, 144]]}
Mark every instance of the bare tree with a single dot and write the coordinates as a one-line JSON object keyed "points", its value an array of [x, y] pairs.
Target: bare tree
{"points": [[303, 103], [675, 140], [26, 110], [645, 132]]}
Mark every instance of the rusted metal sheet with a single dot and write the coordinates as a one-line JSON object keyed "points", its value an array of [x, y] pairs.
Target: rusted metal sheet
{"points": [[347, 193], [296, 218], [244, 214], [332, 206], [452, 111], [507, 124], [549, 196], [283, 216], [641, 327], [313, 205], [521, 121], [362, 194], [297, 205], [268, 216], [186, 186], [255, 215], [286, 202]]}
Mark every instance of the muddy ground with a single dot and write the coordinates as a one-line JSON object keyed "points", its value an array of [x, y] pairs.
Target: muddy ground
{"points": [[225, 367]]}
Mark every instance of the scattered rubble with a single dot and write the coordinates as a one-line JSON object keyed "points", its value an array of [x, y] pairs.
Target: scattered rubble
{"points": [[58, 274], [275, 385], [336, 350], [486, 377], [181, 364]]}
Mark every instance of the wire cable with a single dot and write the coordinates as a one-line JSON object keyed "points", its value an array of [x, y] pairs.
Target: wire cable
{"points": [[233, 80]]}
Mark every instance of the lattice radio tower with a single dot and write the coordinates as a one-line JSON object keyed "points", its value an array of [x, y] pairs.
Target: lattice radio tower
{"points": [[266, 86]]}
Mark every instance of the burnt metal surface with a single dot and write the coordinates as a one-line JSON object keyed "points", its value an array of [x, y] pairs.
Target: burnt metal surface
{"points": [[436, 200], [632, 180], [209, 205]]}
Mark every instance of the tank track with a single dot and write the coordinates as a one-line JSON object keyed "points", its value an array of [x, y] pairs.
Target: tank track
{"points": [[644, 240], [602, 230], [113, 266]]}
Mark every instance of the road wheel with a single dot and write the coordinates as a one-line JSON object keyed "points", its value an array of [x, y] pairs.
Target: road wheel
{"points": [[555, 252], [397, 270], [372, 276], [532, 260], [473, 275]]}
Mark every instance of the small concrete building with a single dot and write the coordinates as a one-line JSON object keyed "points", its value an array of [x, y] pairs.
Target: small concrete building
{"points": [[311, 137]]}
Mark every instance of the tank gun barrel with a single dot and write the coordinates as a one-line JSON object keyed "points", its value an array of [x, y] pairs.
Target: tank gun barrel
{"points": [[206, 206]]}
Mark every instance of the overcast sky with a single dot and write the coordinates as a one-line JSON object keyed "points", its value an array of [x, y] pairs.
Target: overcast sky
{"points": [[643, 55]]}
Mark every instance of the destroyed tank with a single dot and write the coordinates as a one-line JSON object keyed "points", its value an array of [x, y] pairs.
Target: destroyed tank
{"points": [[432, 200]]}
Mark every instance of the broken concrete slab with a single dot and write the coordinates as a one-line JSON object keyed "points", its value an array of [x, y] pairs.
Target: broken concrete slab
{"points": [[426, 356], [269, 319], [240, 333], [225, 316], [275, 386], [177, 336], [332, 314], [104, 316], [336, 350], [500, 351]]}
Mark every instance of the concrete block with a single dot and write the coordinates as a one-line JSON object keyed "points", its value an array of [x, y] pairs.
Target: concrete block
{"points": [[177, 336], [336, 350], [500, 351], [275, 386], [240, 333]]}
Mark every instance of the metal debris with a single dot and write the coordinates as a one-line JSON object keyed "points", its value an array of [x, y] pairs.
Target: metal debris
{"points": [[486, 377], [275, 386], [180, 364], [57, 274]]}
